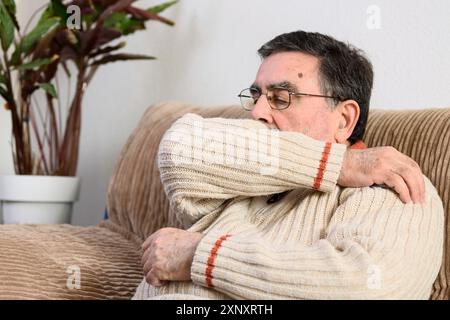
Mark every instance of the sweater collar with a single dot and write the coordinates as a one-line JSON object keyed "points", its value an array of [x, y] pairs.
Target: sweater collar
{"points": [[358, 145]]}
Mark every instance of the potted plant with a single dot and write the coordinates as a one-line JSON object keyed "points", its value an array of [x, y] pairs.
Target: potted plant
{"points": [[71, 39]]}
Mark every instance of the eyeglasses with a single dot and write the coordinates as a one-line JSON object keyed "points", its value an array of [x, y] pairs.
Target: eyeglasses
{"points": [[278, 98]]}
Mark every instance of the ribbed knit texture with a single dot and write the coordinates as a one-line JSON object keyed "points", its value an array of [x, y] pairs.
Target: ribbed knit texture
{"points": [[203, 163], [312, 244], [138, 206], [42, 262]]}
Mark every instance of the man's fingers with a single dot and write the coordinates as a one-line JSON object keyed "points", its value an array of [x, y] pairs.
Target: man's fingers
{"points": [[148, 241], [150, 271], [384, 165], [145, 257], [152, 279], [422, 182], [397, 183], [147, 266], [155, 278], [423, 190], [412, 181], [413, 177]]}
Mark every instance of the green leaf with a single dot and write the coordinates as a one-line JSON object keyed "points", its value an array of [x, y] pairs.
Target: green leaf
{"points": [[10, 6], [6, 27], [43, 27], [39, 31], [3, 89], [34, 64], [60, 10], [121, 57], [66, 69], [47, 14], [140, 14], [55, 9], [161, 7], [50, 89], [108, 49], [3, 93], [115, 20], [88, 20], [123, 23]]}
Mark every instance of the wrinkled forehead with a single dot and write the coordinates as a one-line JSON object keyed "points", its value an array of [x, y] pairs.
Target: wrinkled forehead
{"points": [[299, 69]]}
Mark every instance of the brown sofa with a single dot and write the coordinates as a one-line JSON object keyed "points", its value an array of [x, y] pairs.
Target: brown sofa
{"points": [[35, 261]]}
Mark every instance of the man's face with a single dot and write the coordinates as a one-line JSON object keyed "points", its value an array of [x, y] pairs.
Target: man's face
{"points": [[312, 116]]}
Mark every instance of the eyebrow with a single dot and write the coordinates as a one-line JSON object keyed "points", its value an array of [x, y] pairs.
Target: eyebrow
{"points": [[282, 84]]}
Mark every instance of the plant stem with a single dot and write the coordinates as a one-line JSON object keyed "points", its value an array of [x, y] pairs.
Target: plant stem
{"points": [[91, 74], [20, 154], [45, 137], [54, 140], [69, 149], [58, 90], [25, 30], [38, 139], [25, 127]]}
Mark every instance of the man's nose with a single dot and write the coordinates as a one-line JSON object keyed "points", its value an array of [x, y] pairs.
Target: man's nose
{"points": [[262, 110]]}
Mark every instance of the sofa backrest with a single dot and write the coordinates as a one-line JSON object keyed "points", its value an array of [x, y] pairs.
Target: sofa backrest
{"points": [[137, 202], [424, 135]]}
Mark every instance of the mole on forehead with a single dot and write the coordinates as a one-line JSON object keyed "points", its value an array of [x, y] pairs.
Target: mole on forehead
{"points": [[300, 75]]}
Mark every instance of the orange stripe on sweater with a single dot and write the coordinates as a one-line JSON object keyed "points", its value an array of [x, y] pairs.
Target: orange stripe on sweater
{"points": [[358, 145], [322, 166], [212, 259]]}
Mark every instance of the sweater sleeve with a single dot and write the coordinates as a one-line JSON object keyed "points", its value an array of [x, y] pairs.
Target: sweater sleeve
{"points": [[204, 162], [375, 247]]}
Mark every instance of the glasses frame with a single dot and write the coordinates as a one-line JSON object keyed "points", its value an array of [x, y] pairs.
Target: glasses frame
{"points": [[296, 94]]}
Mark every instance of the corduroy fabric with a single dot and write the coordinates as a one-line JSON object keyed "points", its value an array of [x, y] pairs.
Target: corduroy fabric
{"points": [[138, 205], [42, 262], [424, 135], [310, 244]]}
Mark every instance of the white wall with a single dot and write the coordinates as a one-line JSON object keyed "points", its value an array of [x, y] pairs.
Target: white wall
{"points": [[211, 54]]}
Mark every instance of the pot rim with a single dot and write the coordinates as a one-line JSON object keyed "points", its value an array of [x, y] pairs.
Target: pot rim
{"points": [[34, 188]]}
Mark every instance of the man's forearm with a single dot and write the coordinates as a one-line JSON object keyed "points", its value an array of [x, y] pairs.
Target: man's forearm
{"points": [[204, 162], [223, 158]]}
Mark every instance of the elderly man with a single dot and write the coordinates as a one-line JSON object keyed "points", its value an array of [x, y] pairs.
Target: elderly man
{"points": [[290, 204]]}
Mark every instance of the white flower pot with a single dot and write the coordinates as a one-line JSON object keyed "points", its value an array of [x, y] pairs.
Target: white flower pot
{"points": [[26, 199]]}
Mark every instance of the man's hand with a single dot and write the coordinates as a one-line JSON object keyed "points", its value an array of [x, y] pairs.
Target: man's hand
{"points": [[168, 255], [383, 165]]}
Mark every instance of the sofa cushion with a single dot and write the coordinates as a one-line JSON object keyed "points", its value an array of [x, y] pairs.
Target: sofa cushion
{"points": [[67, 262], [424, 135], [136, 199]]}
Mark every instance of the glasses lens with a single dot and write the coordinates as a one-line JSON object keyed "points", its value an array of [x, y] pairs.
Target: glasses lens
{"points": [[249, 97], [279, 98]]}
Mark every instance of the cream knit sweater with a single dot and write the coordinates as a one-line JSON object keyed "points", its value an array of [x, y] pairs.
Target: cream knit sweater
{"points": [[318, 241]]}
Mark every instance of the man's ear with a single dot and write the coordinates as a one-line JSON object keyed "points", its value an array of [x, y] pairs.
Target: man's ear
{"points": [[348, 115]]}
